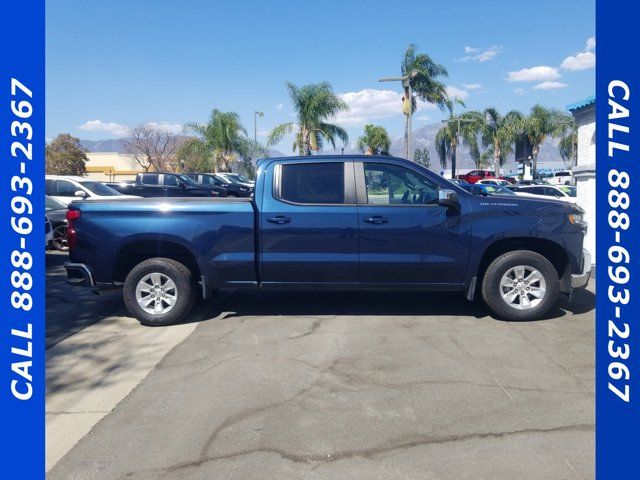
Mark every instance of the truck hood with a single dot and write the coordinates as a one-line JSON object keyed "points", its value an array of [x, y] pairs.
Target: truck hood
{"points": [[538, 205]]}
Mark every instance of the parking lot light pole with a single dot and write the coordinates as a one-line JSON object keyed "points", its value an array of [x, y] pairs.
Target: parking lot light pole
{"points": [[456, 120], [406, 83]]}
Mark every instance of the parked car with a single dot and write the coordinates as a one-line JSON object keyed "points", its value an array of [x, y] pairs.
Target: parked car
{"points": [[474, 175], [484, 190], [167, 184], [66, 189], [538, 181], [57, 214], [237, 178], [564, 192], [493, 181], [332, 221], [48, 232], [233, 189], [563, 177]]}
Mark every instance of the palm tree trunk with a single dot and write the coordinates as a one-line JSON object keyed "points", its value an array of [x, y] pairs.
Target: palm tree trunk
{"points": [[453, 160], [535, 151]]}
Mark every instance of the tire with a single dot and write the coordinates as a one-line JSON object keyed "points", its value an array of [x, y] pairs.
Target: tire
{"points": [[173, 281], [59, 241], [524, 304]]}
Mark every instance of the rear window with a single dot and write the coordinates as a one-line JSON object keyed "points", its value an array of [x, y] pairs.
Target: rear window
{"points": [[312, 183], [150, 178], [563, 174]]}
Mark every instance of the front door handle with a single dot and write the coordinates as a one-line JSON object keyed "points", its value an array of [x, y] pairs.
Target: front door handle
{"points": [[279, 219], [377, 220]]}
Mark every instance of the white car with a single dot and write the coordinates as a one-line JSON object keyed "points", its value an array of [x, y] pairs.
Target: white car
{"points": [[493, 181], [48, 232], [66, 189], [563, 177], [565, 193]]}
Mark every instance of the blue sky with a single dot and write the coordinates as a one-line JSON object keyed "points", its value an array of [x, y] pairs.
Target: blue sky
{"points": [[120, 63]]}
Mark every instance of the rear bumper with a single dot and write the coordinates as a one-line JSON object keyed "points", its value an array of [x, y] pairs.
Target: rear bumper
{"points": [[580, 280], [78, 274]]}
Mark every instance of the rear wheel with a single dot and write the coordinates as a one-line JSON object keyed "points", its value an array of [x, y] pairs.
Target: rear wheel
{"points": [[159, 291], [520, 285]]}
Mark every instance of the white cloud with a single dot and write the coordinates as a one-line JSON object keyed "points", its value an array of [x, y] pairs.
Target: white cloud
{"points": [[174, 128], [119, 130], [583, 60], [550, 86], [541, 73], [472, 86], [109, 127], [263, 132], [423, 118], [591, 44], [279, 106], [372, 104], [480, 54], [519, 91], [457, 92]]}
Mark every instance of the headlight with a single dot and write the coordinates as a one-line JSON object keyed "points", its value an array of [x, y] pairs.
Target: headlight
{"points": [[577, 219]]}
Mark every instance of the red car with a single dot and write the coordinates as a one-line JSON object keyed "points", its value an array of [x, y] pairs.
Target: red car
{"points": [[474, 175]]}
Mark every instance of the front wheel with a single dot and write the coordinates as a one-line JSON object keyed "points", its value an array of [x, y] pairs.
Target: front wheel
{"points": [[520, 285], [159, 291]]}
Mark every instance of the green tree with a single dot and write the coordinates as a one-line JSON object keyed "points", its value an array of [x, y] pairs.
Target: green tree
{"points": [[375, 140], [193, 156], [224, 139], [65, 155], [315, 105], [425, 84], [540, 124], [498, 133], [568, 145], [422, 156], [449, 136]]}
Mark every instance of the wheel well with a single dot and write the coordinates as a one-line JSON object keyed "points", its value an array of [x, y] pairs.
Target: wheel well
{"points": [[134, 253], [548, 249]]}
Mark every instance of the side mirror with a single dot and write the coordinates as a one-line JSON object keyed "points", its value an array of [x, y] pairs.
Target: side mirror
{"points": [[448, 198], [80, 193]]}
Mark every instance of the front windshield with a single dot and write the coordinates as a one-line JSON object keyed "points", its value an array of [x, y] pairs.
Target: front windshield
{"points": [[187, 180], [53, 204], [100, 189], [571, 191], [223, 179]]}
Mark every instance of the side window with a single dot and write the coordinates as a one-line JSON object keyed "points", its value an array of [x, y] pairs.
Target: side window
{"points": [[49, 187], [150, 179], [65, 188], [395, 185], [537, 190], [321, 183], [171, 180]]}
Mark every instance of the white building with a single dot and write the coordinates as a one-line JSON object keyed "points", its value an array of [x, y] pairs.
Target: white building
{"points": [[584, 172]]}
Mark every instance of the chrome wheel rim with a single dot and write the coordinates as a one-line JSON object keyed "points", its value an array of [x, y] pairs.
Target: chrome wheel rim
{"points": [[523, 287], [156, 293]]}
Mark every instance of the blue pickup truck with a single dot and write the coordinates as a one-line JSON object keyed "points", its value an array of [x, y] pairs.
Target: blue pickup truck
{"points": [[331, 222]]}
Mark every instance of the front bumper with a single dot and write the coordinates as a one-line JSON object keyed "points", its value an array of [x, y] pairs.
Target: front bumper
{"points": [[79, 275], [580, 280]]}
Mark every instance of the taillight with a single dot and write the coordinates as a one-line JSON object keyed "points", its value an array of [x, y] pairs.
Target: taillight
{"points": [[72, 215]]}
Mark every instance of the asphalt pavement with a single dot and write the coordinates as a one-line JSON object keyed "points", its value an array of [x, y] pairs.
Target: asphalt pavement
{"points": [[365, 385]]}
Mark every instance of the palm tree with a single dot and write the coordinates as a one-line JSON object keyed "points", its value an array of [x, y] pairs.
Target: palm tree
{"points": [[448, 136], [223, 137], [424, 76], [568, 146], [375, 140], [540, 124], [315, 105], [498, 133]]}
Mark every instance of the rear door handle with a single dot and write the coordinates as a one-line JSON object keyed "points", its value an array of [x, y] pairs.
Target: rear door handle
{"points": [[377, 220], [279, 219]]}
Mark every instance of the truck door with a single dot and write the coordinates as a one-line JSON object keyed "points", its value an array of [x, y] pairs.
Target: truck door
{"points": [[405, 236], [309, 223]]}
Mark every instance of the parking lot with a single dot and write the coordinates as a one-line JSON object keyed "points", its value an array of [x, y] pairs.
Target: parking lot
{"points": [[320, 385]]}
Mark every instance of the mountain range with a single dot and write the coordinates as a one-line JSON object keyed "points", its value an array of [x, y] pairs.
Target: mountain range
{"points": [[549, 156]]}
